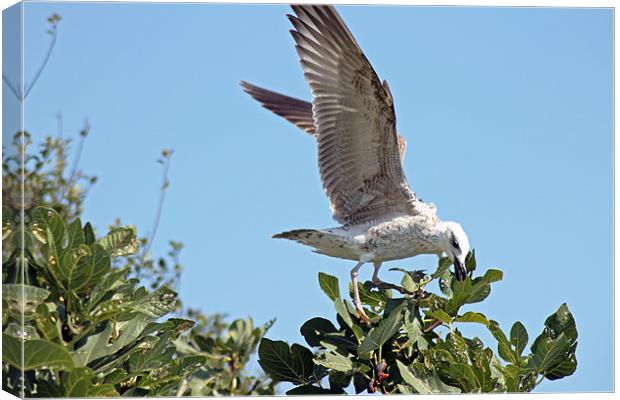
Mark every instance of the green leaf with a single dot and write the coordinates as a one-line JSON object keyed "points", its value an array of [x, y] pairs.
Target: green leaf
{"points": [[7, 222], [120, 242], [25, 332], [470, 261], [77, 383], [107, 342], [312, 390], [387, 328], [471, 316], [46, 220], [89, 234], [38, 354], [155, 304], [23, 298], [286, 364], [562, 321], [422, 380], [549, 353], [503, 345], [335, 361], [440, 315], [565, 368], [368, 296], [518, 337], [339, 380], [481, 285], [75, 234], [315, 329], [90, 269], [414, 331], [458, 347], [442, 266], [463, 375], [329, 285], [341, 309]]}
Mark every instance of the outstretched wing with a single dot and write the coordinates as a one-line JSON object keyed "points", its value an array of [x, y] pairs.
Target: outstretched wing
{"points": [[355, 121], [295, 111]]}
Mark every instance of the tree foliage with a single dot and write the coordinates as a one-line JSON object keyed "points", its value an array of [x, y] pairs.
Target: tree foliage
{"points": [[401, 350], [88, 315], [98, 316]]}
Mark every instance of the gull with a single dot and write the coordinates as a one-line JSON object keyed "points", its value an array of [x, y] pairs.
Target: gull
{"points": [[360, 155]]}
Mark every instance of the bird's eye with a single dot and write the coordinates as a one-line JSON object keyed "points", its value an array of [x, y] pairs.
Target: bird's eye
{"points": [[455, 243]]}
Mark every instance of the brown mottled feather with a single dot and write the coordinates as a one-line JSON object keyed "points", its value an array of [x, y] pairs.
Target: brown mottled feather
{"points": [[359, 158], [295, 111]]}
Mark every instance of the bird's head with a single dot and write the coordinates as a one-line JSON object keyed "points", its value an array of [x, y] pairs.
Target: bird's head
{"points": [[454, 242]]}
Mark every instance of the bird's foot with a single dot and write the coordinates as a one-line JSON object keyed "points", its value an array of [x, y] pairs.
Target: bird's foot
{"points": [[362, 315], [379, 284]]}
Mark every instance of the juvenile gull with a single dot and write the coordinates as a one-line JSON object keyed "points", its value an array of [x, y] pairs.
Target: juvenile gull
{"points": [[352, 117]]}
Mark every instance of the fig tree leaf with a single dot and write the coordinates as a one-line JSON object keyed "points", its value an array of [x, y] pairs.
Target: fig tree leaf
{"points": [[335, 361], [76, 383], [75, 234], [471, 316], [312, 390], [283, 363], [120, 242], [329, 285], [37, 354], [549, 353], [314, 329], [518, 337], [387, 328], [23, 298], [422, 380], [44, 220], [503, 345], [562, 321]]}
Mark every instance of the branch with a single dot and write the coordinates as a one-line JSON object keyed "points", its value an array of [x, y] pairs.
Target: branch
{"points": [[165, 160], [14, 90], [83, 134], [53, 31]]}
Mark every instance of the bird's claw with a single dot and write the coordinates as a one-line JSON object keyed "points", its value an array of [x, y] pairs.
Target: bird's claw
{"points": [[362, 315], [385, 285]]}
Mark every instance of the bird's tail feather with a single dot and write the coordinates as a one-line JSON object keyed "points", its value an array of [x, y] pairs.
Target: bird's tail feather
{"points": [[323, 242]]}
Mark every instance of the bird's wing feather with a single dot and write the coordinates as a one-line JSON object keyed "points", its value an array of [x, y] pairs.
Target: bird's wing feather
{"points": [[295, 111], [354, 115]]}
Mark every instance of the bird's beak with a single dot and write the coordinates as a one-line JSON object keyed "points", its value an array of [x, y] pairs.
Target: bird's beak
{"points": [[459, 270]]}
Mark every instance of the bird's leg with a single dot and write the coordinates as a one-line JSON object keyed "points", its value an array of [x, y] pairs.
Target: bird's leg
{"points": [[375, 275], [384, 285], [356, 294]]}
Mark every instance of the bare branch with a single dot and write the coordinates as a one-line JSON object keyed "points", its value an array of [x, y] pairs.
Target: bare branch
{"points": [[53, 32], [72, 176], [165, 160], [14, 90]]}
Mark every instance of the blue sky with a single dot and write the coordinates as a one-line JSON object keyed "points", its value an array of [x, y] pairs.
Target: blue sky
{"points": [[507, 111]]}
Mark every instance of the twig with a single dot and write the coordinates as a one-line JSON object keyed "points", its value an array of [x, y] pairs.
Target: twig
{"points": [[53, 20], [14, 90], [83, 134], [432, 326], [54, 33], [60, 127], [167, 154]]}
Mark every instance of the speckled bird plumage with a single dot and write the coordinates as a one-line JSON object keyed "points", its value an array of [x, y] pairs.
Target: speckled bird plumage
{"points": [[359, 153]]}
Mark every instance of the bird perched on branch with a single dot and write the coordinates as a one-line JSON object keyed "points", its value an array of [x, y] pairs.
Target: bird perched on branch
{"points": [[352, 117]]}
